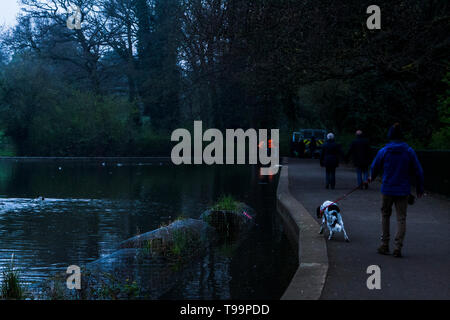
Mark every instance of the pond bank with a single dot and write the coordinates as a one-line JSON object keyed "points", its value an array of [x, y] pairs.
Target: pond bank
{"points": [[309, 279]]}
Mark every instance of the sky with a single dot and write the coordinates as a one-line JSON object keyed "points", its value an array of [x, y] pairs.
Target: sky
{"points": [[8, 11]]}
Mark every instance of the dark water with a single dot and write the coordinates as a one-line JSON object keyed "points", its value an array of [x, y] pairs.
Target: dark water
{"points": [[90, 207]]}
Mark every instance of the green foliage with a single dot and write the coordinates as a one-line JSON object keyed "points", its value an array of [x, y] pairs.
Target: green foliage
{"points": [[155, 246], [43, 116], [345, 139], [180, 245], [161, 74], [181, 240], [82, 124], [285, 143], [441, 137], [118, 289], [372, 104], [11, 287], [183, 246], [226, 203], [148, 142], [56, 290], [7, 147]]}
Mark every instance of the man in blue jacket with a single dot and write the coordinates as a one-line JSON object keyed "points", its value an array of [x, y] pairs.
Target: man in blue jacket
{"points": [[398, 162]]}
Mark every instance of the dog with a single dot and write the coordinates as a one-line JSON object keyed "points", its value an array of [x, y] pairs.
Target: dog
{"points": [[330, 214]]}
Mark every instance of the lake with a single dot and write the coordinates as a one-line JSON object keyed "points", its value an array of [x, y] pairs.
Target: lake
{"points": [[91, 206]]}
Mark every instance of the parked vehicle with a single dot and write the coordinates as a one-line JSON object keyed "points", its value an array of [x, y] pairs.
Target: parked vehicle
{"points": [[307, 137]]}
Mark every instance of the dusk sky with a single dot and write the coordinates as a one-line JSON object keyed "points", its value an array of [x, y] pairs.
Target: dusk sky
{"points": [[8, 11]]}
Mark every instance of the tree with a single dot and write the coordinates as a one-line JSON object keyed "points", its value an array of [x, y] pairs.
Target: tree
{"points": [[120, 33], [42, 28], [161, 74], [441, 136]]}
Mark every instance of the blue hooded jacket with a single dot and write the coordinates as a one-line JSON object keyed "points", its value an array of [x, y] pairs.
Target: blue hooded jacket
{"points": [[399, 162]]}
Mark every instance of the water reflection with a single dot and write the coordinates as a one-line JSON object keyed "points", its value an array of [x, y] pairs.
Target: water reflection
{"points": [[90, 207]]}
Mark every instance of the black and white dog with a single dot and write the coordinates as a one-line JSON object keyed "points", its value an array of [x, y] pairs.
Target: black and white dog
{"points": [[330, 214]]}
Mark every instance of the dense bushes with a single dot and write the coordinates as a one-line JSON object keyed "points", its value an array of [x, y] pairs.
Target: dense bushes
{"points": [[373, 104], [46, 118], [81, 124], [441, 137]]}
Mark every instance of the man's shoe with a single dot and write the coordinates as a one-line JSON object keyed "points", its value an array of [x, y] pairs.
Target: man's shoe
{"points": [[327, 186], [366, 186], [397, 253], [383, 249]]}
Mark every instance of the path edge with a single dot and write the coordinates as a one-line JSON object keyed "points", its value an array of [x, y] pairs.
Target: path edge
{"points": [[300, 226]]}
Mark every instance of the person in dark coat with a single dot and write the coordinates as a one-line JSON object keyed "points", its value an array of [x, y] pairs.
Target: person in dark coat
{"points": [[329, 158], [293, 147], [297, 147], [360, 152], [301, 148]]}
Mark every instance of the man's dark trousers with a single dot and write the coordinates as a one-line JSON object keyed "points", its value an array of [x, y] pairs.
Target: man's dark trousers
{"points": [[330, 176], [401, 205]]}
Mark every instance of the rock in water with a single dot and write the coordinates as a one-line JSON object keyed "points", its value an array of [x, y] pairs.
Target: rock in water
{"points": [[231, 223], [173, 235], [145, 266]]}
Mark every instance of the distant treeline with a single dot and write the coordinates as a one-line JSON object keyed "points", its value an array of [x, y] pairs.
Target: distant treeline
{"points": [[137, 69]]}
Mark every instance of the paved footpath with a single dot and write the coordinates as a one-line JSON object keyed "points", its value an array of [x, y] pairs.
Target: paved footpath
{"points": [[424, 270]]}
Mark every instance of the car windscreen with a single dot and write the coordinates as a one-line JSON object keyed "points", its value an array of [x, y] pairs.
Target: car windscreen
{"points": [[307, 134], [319, 134]]}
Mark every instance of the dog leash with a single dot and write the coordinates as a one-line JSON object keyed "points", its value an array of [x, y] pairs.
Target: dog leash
{"points": [[343, 197], [249, 217]]}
